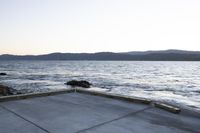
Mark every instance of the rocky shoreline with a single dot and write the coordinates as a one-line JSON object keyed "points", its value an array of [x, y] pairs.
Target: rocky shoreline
{"points": [[6, 90]]}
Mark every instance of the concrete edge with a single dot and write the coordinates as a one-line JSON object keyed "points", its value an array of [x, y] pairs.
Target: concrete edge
{"points": [[167, 107], [115, 96], [163, 106], [33, 95]]}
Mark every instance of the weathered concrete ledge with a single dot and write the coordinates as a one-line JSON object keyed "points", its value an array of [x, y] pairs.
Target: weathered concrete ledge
{"points": [[167, 107], [115, 96], [33, 95], [163, 106]]}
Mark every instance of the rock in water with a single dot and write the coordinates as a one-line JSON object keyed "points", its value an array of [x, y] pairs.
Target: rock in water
{"points": [[82, 83], [3, 74], [5, 90]]}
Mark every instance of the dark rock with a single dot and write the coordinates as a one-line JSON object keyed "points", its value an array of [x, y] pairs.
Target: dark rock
{"points": [[3, 74], [5, 90], [82, 83]]}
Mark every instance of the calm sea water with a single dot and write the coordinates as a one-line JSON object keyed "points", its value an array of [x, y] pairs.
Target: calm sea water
{"points": [[174, 82]]}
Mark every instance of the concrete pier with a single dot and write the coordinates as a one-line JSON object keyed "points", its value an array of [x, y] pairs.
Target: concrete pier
{"points": [[70, 112]]}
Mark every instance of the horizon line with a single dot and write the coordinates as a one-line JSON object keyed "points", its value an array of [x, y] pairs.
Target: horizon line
{"points": [[99, 52]]}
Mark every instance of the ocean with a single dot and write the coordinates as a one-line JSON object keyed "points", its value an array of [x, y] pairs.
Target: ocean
{"points": [[173, 82]]}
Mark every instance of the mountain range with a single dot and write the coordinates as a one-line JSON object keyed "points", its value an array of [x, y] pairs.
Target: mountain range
{"points": [[161, 55]]}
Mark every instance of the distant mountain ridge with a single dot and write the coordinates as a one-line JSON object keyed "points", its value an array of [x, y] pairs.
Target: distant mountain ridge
{"points": [[162, 55], [174, 51]]}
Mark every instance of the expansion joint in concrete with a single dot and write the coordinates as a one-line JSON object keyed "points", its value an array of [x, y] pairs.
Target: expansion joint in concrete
{"points": [[18, 115], [110, 121]]}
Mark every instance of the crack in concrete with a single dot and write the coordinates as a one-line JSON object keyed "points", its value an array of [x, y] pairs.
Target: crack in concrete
{"points": [[104, 123], [25, 119]]}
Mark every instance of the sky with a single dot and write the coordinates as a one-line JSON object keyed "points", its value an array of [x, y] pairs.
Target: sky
{"points": [[76, 26]]}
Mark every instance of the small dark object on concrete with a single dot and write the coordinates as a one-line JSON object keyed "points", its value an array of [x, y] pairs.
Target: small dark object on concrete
{"points": [[3, 74], [82, 83], [5, 90]]}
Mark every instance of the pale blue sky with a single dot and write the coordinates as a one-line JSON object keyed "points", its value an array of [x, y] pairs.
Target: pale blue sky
{"points": [[45, 26]]}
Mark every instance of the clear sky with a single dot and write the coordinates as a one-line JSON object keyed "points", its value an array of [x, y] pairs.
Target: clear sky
{"points": [[45, 26]]}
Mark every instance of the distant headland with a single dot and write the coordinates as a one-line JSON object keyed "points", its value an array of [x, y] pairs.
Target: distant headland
{"points": [[161, 55]]}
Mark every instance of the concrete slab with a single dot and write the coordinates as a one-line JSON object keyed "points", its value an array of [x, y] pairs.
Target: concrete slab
{"points": [[77, 112], [152, 121]]}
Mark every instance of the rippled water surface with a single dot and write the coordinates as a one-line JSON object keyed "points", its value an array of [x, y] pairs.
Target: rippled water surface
{"points": [[175, 82]]}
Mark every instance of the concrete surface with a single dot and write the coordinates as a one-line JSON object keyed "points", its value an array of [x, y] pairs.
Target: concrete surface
{"points": [[84, 113]]}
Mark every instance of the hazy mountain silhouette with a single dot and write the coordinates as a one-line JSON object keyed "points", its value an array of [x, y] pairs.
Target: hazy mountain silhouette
{"points": [[164, 55], [171, 51]]}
